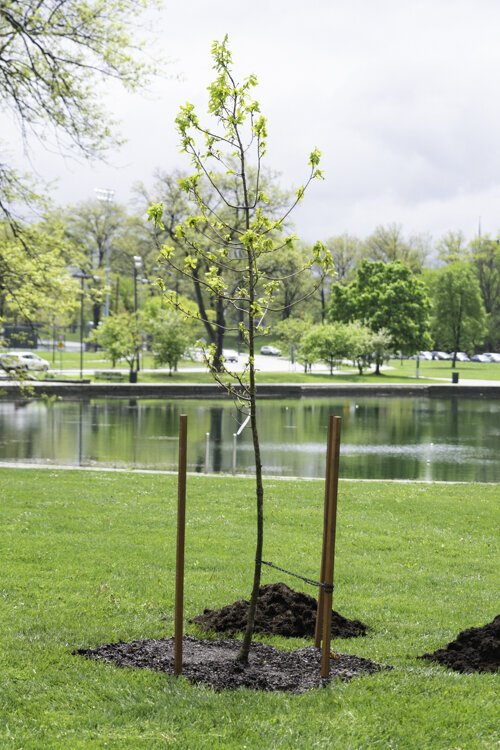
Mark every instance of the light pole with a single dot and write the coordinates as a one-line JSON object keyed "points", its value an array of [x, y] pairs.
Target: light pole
{"points": [[82, 276], [105, 195], [138, 265]]}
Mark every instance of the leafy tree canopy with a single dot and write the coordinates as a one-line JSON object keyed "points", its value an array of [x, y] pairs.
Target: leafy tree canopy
{"points": [[389, 245], [54, 54], [346, 251], [458, 316], [388, 296], [120, 338], [170, 332], [37, 285]]}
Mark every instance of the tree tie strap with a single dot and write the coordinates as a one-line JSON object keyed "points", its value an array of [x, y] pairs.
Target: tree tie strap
{"points": [[327, 587]]}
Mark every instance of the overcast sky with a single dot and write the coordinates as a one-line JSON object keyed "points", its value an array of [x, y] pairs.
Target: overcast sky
{"points": [[402, 97]]}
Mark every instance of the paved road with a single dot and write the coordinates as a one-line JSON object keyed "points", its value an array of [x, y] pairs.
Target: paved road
{"points": [[264, 364]]}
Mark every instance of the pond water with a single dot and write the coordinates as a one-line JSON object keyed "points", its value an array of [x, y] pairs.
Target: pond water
{"points": [[382, 438]]}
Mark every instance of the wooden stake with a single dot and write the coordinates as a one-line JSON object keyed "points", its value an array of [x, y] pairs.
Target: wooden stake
{"points": [[321, 597], [332, 491], [181, 533]]}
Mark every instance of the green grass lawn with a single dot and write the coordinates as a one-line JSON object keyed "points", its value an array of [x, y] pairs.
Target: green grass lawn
{"points": [[88, 558]]}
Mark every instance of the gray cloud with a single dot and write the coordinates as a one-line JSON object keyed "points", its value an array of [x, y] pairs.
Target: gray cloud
{"points": [[400, 96]]}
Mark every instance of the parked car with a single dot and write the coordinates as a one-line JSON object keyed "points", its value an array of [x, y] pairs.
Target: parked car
{"points": [[492, 356], [462, 357], [425, 355], [441, 355], [272, 351], [230, 355], [480, 358], [11, 361]]}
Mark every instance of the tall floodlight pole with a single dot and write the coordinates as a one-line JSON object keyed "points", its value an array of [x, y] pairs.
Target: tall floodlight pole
{"points": [[82, 276], [138, 264], [104, 195]]}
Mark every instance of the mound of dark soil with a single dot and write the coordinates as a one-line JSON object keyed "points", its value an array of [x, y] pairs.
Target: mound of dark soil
{"points": [[473, 650], [280, 611], [213, 663]]}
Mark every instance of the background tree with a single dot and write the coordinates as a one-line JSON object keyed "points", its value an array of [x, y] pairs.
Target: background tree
{"points": [[452, 247], [97, 229], [330, 343], [291, 331], [170, 332], [380, 348], [485, 256], [458, 317], [367, 347], [346, 251], [119, 337], [53, 56], [386, 296], [388, 245], [231, 236], [36, 286], [295, 286], [215, 309]]}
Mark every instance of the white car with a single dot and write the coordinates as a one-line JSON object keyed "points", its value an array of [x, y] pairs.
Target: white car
{"points": [[462, 357], [492, 356], [11, 361], [230, 355], [441, 355], [271, 351]]}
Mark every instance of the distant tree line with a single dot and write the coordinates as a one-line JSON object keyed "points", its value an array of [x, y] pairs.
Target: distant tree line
{"points": [[419, 295]]}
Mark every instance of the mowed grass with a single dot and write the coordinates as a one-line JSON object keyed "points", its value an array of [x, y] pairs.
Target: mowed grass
{"points": [[88, 557]]}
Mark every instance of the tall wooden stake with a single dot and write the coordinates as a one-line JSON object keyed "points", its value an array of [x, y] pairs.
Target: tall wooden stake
{"points": [[321, 597], [181, 533], [332, 491]]}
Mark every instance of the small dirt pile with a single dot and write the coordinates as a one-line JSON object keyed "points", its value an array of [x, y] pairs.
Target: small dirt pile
{"points": [[214, 663], [280, 611], [473, 650]]}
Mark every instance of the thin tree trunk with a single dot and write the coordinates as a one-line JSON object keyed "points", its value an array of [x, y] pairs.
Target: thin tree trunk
{"points": [[259, 488]]}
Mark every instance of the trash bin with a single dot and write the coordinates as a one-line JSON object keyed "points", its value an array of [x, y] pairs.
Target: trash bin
{"points": [[454, 377]]}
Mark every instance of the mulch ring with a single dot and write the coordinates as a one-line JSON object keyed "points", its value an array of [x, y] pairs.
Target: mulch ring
{"points": [[213, 663], [280, 611], [473, 650]]}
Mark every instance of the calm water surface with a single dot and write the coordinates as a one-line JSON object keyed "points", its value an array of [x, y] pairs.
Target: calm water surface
{"points": [[390, 438]]}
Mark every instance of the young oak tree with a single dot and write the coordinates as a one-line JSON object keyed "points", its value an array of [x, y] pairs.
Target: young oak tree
{"points": [[233, 237]]}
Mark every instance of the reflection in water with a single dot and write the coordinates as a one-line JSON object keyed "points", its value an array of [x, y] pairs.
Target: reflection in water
{"points": [[382, 438], [216, 413]]}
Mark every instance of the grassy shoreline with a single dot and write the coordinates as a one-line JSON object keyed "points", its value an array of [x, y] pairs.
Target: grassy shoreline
{"points": [[89, 559]]}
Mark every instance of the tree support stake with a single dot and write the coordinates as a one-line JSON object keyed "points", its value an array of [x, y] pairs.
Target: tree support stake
{"points": [[181, 534], [324, 613]]}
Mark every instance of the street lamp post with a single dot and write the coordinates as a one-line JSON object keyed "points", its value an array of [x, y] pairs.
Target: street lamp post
{"points": [[83, 277], [138, 265], [104, 195]]}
